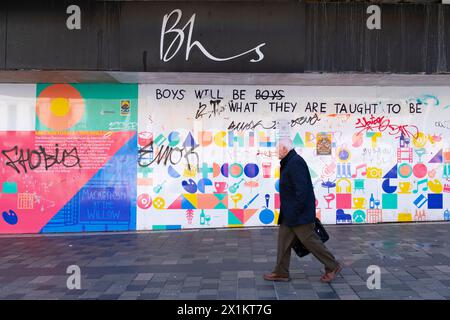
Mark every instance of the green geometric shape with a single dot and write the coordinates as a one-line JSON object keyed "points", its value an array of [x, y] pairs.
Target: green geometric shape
{"points": [[359, 184], [159, 140], [389, 201], [9, 187], [157, 227], [145, 171], [312, 173], [359, 216], [220, 206], [232, 219], [174, 139], [298, 142], [399, 168], [220, 197]]}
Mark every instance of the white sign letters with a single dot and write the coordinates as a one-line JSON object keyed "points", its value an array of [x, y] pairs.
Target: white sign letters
{"points": [[167, 54]]}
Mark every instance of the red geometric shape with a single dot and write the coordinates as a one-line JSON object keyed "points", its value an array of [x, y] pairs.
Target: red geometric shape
{"points": [[238, 214], [420, 170], [144, 201], [177, 203], [277, 201], [344, 200]]}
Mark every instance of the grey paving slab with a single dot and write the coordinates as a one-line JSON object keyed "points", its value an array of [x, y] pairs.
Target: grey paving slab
{"points": [[226, 264]]}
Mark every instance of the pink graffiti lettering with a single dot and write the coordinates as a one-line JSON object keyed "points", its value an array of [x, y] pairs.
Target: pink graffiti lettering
{"points": [[381, 124]]}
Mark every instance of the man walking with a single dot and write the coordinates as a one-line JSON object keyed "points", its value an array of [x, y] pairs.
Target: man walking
{"points": [[297, 215]]}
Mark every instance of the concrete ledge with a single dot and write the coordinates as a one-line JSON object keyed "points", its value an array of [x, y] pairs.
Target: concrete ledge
{"points": [[294, 79]]}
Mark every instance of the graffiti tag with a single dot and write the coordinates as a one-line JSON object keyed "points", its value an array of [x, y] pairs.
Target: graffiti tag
{"points": [[382, 124], [33, 159]]}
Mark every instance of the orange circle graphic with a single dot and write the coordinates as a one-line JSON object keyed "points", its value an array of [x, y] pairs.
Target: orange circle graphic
{"points": [[60, 106]]}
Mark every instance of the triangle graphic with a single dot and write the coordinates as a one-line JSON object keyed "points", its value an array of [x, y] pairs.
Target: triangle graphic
{"points": [[107, 200], [248, 213], [437, 158], [177, 204], [185, 204], [223, 201], [192, 199], [298, 142], [220, 205], [235, 216], [189, 142], [312, 172], [392, 174]]}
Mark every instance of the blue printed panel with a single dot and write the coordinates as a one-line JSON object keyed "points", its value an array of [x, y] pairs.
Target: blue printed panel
{"points": [[107, 202]]}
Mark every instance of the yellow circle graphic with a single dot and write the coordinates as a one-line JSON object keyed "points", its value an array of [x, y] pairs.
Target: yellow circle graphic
{"points": [[59, 106], [159, 203]]}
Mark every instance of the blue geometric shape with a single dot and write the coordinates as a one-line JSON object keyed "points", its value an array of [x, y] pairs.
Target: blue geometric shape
{"points": [[202, 183], [420, 201], [251, 170], [185, 204], [387, 187], [446, 215], [342, 217], [10, 217], [107, 202], [189, 142], [190, 186], [435, 201], [174, 138], [224, 170], [173, 227], [266, 216], [172, 172], [267, 144], [392, 174], [437, 158]]}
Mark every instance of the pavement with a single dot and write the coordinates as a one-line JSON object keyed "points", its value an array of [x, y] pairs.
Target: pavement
{"points": [[210, 264]]}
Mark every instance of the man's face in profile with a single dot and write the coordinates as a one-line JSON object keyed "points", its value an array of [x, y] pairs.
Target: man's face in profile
{"points": [[282, 151]]}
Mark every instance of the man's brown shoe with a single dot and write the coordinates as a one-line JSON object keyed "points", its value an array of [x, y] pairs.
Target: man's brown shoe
{"points": [[275, 277], [330, 276]]}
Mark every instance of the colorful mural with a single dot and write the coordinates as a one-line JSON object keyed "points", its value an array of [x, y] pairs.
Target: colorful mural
{"points": [[109, 157], [73, 168], [207, 154]]}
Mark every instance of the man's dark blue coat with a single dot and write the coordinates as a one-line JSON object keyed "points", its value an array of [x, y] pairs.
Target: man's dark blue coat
{"points": [[298, 202]]}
